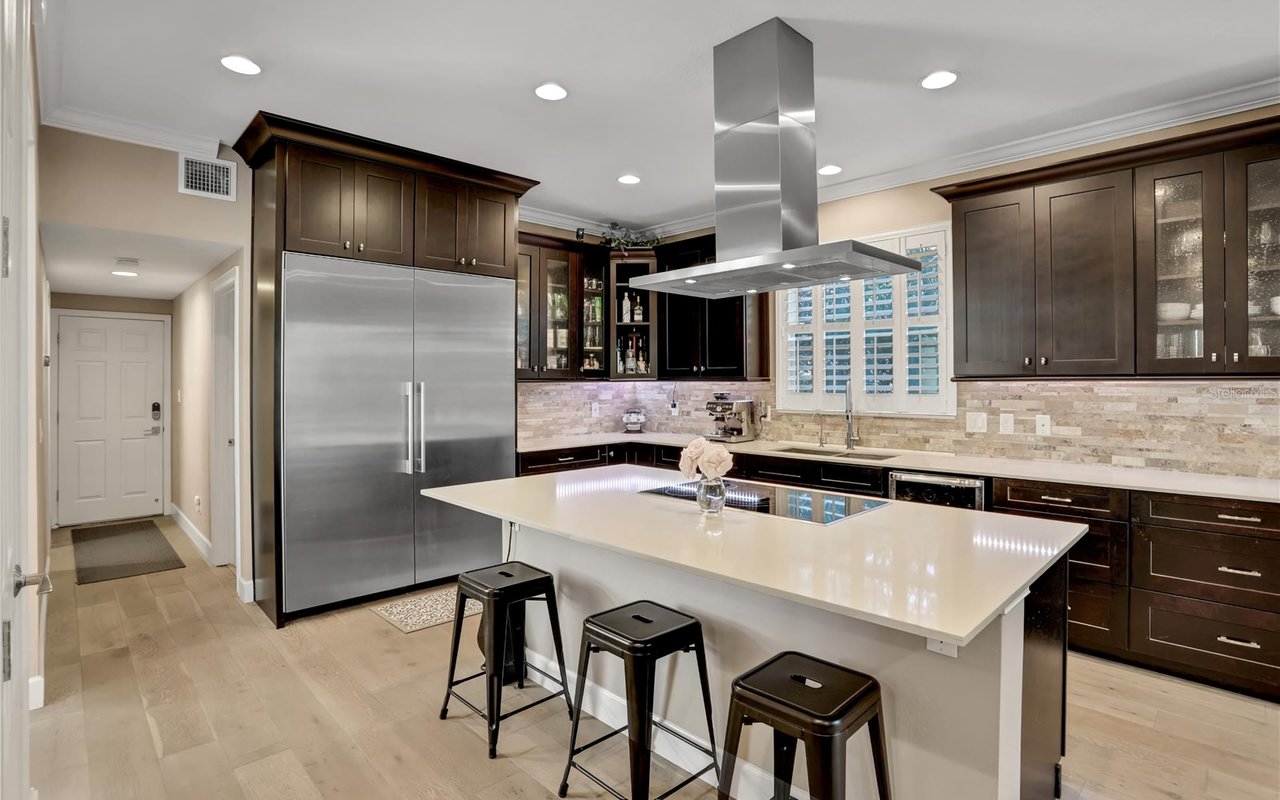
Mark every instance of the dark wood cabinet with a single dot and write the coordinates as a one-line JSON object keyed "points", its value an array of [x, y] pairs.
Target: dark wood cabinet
{"points": [[491, 232], [1252, 202], [320, 202], [559, 311], [994, 294], [440, 221], [701, 338], [384, 213], [563, 459], [1084, 276], [1097, 615], [1178, 235]]}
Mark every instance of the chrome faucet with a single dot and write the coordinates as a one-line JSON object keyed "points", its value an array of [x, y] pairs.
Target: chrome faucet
{"points": [[850, 433], [822, 434]]}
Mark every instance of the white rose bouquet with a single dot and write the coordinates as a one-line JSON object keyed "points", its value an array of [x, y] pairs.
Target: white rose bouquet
{"points": [[713, 460]]}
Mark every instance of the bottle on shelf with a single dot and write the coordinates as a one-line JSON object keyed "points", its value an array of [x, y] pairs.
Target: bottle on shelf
{"points": [[626, 308], [630, 363], [621, 365], [637, 313], [642, 367]]}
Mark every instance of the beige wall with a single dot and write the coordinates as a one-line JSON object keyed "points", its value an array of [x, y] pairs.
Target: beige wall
{"points": [[102, 183], [192, 421], [98, 302]]}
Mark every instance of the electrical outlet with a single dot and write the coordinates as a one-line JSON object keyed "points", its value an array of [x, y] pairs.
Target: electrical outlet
{"points": [[595, 409], [675, 409], [1044, 425], [1006, 423], [975, 422]]}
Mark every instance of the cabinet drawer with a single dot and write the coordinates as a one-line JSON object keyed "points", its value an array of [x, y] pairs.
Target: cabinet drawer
{"points": [[1061, 498], [790, 471], [1097, 614], [850, 478], [1101, 555], [1240, 570], [1207, 513], [1240, 642], [557, 460], [667, 456]]}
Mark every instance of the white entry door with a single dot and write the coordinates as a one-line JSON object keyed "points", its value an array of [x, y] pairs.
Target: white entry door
{"points": [[111, 417]]}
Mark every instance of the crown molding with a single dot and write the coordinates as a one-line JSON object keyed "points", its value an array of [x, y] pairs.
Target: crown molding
{"points": [[554, 219], [123, 130], [697, 223], [1208, 106]]}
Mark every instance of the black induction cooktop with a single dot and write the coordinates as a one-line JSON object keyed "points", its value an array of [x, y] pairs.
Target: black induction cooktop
{"points": [[806, 505]]}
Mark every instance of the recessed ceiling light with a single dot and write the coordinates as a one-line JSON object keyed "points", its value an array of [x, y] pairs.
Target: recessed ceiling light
{"points": [[939, 80], [830, 169], [241, 64], [846, 277], [751, 291], [629, 180], [690, 280], [551, 91], [124, 273], [788, 266]]}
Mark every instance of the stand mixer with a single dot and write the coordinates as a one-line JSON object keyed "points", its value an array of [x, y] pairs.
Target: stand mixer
{"points": [[734, 418]]}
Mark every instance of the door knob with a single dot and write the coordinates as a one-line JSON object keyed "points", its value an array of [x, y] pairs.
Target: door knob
{"points": [[360, 247], [462, 262], [473, 262], [346, 245], [22, 580], [154, 430], [1043, 360], [1026, 361]]}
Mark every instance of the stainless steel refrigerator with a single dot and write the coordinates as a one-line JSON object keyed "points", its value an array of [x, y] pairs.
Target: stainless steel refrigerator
{"points": [[392, 380]]}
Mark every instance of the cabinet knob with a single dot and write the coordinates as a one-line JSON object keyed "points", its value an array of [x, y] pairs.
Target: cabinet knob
{"points": [[1213, 357], [346, 245], [1044, 360], [462, 262], [1235, 358], [360, 247], [1026, 361], [473, 262]]}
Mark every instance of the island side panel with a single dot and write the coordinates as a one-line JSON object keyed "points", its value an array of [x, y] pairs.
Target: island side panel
{"points": [[952, 723]]}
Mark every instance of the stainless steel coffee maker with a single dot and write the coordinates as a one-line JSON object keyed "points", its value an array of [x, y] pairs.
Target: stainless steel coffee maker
{"points": [[734, 417]]}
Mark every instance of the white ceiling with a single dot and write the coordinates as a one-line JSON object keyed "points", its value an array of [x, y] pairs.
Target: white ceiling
{"points": [[456, 79], [80, 259]]}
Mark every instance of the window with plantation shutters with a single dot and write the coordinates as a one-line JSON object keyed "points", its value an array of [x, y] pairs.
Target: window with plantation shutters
{"points": [[888, 335]]}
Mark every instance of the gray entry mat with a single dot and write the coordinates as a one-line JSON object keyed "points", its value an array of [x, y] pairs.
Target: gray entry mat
{"points": [[107, 552]]}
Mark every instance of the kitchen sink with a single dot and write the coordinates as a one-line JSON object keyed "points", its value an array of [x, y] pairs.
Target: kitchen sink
{"points": [[829, 453]]}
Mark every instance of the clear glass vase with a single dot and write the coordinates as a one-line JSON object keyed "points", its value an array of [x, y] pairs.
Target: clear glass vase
{"points": [[711, 495]]}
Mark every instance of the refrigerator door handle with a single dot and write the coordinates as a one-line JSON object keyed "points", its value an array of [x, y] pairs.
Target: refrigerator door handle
{"points": [[422, 426], [407, 465]]}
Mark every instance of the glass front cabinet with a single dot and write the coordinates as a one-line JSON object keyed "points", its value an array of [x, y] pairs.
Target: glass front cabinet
{"points": [[1207, 248], [560, 315], [632, 326], [1252, 180]]}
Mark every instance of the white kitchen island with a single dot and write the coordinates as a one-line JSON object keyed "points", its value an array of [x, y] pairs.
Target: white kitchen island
{"points": [[882, 592]]}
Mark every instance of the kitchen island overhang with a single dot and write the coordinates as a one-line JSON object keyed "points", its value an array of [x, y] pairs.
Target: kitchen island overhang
{"points": [[899, 576]]}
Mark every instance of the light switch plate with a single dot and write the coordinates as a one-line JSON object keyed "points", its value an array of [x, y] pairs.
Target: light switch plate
{"points": [[975, 422], [1044, 425], [1006, 423], [595, 409]]}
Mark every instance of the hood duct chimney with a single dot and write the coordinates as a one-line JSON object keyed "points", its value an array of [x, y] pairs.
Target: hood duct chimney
{"points": [[767, 178]]}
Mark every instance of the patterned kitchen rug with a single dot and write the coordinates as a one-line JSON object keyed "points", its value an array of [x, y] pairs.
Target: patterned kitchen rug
{"points": [[107, 552], [424, 611]]}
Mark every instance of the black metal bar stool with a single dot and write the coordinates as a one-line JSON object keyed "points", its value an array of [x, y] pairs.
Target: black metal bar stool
{"points": [[640, 634], [813, 701], [499, 589]]}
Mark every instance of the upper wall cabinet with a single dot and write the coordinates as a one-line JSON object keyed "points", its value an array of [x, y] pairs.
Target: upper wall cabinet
{"points": [[995, 290], [1084, 276], [1161, 259], [352, 197]]}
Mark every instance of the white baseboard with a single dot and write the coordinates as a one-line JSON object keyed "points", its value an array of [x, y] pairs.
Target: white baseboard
{"points": [[193, 533], [749, 779], [244, 588], [35, 692]]}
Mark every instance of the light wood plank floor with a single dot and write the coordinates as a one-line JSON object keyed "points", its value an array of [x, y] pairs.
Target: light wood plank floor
{"points": [[167, 686]]}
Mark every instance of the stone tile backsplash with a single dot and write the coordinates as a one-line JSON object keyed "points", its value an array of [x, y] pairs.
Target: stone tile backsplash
{"points": [[1215, 427]]}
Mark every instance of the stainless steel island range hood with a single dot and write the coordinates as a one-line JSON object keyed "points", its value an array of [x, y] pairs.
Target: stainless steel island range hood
{"points": [[767, 180]]}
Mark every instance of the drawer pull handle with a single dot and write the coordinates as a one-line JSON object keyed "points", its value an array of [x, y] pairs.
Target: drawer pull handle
{"points": [[563, 459], [1053, 499], [1251, 573], [1235, 518], [1239, 642], [779, 474]]}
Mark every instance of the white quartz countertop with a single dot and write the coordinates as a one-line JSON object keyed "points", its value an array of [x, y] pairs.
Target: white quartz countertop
{"points": [[933, 571], [1135, 478]]}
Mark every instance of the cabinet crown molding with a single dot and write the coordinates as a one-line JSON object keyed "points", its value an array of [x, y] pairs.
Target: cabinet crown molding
{"points": [[255, 146]]}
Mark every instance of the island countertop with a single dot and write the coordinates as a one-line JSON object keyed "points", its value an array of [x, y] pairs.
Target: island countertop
{"points": [[938, 572]]}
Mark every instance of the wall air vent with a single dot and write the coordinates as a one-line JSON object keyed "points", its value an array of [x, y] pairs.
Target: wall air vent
{"points": [[207, 177]]}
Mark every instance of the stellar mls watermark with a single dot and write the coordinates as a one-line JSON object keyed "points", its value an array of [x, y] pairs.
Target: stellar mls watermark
{"points": [[1244, 392]]}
